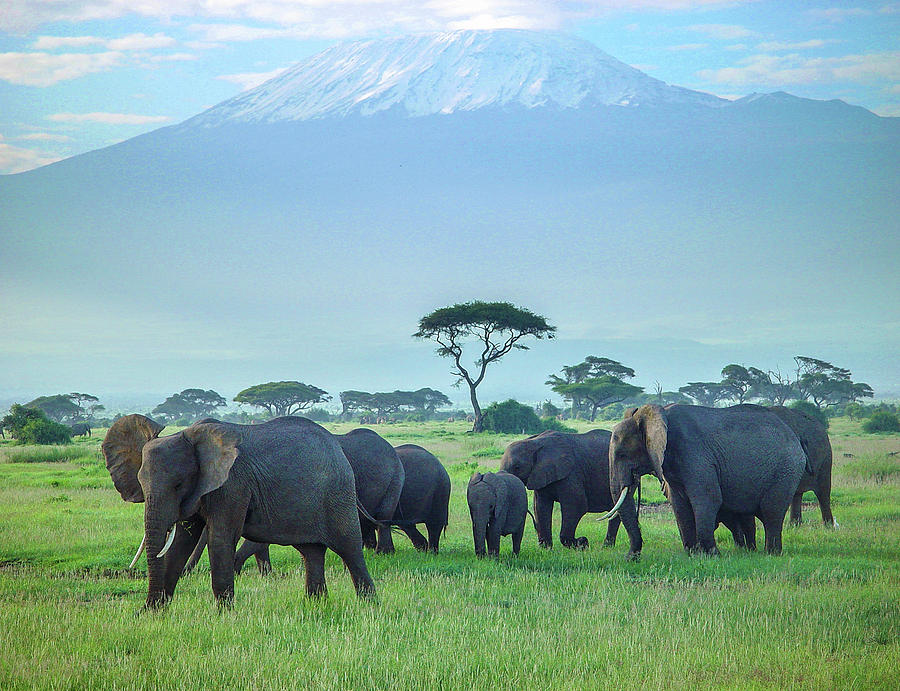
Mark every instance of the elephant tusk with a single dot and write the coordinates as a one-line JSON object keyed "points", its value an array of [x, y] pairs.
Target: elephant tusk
{"points": [[139, 552], [170, 538], [614, 510]]}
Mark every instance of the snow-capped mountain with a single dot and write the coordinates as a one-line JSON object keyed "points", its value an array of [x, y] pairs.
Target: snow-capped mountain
{"points": [[447, 73]]}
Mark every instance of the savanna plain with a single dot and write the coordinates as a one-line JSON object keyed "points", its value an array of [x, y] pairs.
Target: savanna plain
{"points": [[824, 615]]}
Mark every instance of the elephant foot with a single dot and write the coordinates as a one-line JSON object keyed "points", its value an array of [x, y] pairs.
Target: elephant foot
{"points": [[579, 543], [156, 602], [265, 568], [370, 544], [609, 543], [545, 544], [633, 556], [796, 522], [384, 550], [225, 601]]}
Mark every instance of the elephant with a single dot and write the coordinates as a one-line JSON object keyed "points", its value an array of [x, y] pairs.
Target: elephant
{"points": [[744, 460], [285, 481], [425, 497], [379, 477], [572, 469], [817, 476], [497, 505], [80, 429]]}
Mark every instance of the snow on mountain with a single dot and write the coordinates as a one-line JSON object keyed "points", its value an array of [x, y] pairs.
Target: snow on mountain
{"points": [[446, 73]]}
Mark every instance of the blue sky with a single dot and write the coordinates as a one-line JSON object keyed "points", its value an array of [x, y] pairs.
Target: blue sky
{"points": [[77, 76]]}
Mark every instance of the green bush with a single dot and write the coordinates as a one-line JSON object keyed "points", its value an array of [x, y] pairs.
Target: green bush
{"points": [[812, 410], [44, 432], [551, 423], [882, 421], [511, 417]]}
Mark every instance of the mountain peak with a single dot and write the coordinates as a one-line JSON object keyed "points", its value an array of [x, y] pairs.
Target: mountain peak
{"points": [[449, 72]]}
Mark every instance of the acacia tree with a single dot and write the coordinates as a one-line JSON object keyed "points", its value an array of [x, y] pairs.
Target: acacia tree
{"points": [[283, 397], [497, 326], [743, 383], [598, 381], [706, 393], [190, 403]]}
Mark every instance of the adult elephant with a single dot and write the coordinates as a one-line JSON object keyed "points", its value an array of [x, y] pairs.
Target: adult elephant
{"points": [[80, 429], [572, 469], [379, 478], [717, 462], [285, 481], [817, 475], [425, 497]]}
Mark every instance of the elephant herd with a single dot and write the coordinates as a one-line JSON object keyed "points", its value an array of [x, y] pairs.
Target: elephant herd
{"points": [[291, 482]]}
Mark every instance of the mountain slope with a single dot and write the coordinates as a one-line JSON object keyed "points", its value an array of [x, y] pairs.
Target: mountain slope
{"points": [[447, 73]]}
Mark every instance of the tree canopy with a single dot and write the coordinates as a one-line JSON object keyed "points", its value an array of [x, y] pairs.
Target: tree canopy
{"points": [[594, 383], [423, 400], [496, 326], [67, 407], [283, 397], [191, 404]]}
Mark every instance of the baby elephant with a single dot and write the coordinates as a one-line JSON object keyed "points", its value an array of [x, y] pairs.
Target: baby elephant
{"points": [[497, 504]]}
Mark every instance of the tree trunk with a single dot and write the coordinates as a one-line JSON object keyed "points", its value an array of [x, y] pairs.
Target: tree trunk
{"points": [[479, 422]]}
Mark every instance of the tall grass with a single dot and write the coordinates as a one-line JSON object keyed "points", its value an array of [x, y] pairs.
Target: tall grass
{"points": [[825, 615]]}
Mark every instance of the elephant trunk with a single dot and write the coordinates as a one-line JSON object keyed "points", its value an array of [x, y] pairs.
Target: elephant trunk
{"points": [[156, 529]]}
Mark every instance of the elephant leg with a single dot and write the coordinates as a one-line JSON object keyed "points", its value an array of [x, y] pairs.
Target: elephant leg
{"points": [[350, 551], [571, 515], [732, 521], [823, 494], [418, 540], [434, 536], [543, 516], [187, 534], [629, 519], [517, 540], [248, 549], [773, 524], [197, 553], [222, 541], [684, 517], [263, 562], [493, 539], [385, 541], [748, 527], [612, 529], [369, 539], [705, 521], [796, 509], [314, 563]]}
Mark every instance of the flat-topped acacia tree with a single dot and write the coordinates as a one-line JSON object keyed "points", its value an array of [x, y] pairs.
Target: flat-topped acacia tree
{"points": [[282, 397], [498, 326]]}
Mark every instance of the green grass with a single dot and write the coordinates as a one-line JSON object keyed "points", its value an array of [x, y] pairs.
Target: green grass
{"points": [[825, 615]]}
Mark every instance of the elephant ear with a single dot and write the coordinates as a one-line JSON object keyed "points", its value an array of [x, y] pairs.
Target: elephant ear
{"points": [[651, 420], [216, 447], [122, 450], [554, 460], [629, 412]]}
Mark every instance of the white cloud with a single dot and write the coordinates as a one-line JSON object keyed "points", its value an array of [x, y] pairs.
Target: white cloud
{"points": [[777, 46], [688, 47], [140, 42], [839, 14], [14, 159], [772, 71], [173, 57], [338, 18], [248, 80], [46, 136], [109, 118], [725, 32], [54, 42], [45, 69]]}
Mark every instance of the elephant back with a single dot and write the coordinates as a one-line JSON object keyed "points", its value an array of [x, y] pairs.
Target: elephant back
{"points": [[377, 470]]}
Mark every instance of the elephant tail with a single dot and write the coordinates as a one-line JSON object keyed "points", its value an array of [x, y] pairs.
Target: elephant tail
{"points": [[367, 515], [533, 519]]}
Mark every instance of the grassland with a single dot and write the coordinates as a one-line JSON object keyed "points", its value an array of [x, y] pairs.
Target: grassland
{"points": [[825, 615]]}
